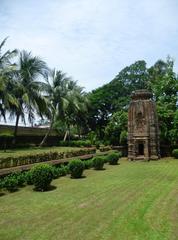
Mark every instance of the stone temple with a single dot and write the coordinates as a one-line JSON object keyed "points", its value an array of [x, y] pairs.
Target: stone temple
{"points": [[143, 132]]}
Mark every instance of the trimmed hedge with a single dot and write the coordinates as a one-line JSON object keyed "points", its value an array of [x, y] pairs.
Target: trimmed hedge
{"points": [[10, 183], [88, 163], [76, 168], [105, 148], [113, 158], [42, 176], [29, 178], [42, 157], [60, 171], [76, 143], [98, 162], [175, 153]]}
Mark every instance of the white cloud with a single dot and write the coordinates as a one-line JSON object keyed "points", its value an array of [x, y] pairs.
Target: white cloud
{"points": [[92, 39]]}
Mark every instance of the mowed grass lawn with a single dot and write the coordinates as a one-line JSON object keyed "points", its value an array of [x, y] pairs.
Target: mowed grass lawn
{"points": [[34, 150], [133, 200]]}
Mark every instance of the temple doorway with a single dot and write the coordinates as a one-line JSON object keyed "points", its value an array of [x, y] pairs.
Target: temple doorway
{"points": [[141, 149]]}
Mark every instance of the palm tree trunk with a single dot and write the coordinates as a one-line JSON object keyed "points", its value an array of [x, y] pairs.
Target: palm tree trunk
{"points": [[47, 134], [16, 127], [65, 136], [69, 133]]}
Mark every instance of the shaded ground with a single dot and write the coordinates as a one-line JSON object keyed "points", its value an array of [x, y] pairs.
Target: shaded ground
{"points": [[133, 200]]}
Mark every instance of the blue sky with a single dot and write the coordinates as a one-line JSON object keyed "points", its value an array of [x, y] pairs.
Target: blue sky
{"points": [[92, 40]]}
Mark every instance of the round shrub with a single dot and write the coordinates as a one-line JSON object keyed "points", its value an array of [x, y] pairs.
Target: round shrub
{"points": [[113, 158], [10, 183], [175, 153], [42, 176], [29, 178], [76, 168], [88, 164], [98, 162]]}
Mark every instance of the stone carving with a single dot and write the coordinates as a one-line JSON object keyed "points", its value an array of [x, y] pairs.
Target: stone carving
{"points": [[143, 132]]}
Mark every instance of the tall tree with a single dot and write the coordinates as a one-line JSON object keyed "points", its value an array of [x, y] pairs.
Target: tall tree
{"points": [[115, 96], [6, 68], [55, 89], [27, 88]]}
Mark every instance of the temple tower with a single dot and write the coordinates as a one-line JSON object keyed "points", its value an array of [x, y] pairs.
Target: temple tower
{"points": [[143, 132]]}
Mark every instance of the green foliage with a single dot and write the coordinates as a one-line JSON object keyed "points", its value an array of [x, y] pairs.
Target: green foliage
{"points": [[104, 148], [115, 96], [10, 183], [21, 178], [123, 137], [76, 168], [42, 176], [42, 157], [115, 130], [98, 162], [92, 137], [60, 171], [29, 178], [88, 164], [113, 158], [175, 153], [108, 105], [76, 143]]}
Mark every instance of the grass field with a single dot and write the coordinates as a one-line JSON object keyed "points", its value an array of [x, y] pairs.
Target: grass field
{"points": [[130, 201], [33, 150]]}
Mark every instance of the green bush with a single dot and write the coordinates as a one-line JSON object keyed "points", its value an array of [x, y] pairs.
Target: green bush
{"points": [[29, 178], [10, 183], [113, 158], [76, 168], [21, 178], [60, 171], [42, 176], [175, 153], [105, 148], [88, 164], [76, 143], [98, 162]]}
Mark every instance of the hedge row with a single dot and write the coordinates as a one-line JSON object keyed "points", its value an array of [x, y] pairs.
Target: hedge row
{"points": [[41, 175], [105, 148], [42, 157], [76, 143]]}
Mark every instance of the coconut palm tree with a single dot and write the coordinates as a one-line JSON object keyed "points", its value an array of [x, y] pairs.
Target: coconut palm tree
{"points": [[6, 69], [56, 88], [27, 88]]}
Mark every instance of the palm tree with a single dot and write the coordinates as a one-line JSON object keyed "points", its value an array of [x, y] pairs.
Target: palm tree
{"points": [[6, 69], [77, 109], [27, 88], [56, 89]]}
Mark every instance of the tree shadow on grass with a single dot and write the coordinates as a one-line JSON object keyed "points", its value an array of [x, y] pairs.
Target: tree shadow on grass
{"points": [[103, 169], [50, 188], [82, 177], [2, 194]]}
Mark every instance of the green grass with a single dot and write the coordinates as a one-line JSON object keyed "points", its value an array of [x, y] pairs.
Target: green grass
{"points": [[34, 150], [130, 201]]}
